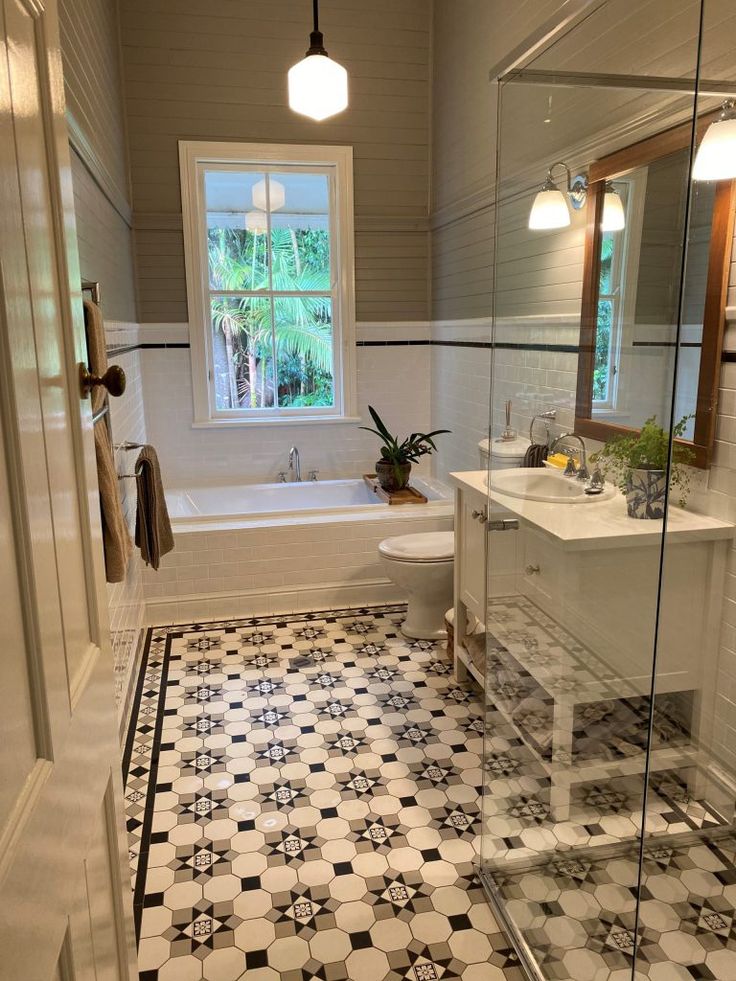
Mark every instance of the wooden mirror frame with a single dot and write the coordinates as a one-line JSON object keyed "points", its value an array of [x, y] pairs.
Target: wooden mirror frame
{"points": [[714, 313]]}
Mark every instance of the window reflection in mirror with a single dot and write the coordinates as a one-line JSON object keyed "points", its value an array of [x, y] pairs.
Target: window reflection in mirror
{"points": [[638, 296], [636, 320]]}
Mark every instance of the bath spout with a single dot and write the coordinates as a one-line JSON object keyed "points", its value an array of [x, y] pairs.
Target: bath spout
{"points": [[295, 466]]}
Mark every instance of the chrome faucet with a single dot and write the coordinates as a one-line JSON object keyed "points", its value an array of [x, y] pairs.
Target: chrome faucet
{"points": [[295, 466], [582, 472]]}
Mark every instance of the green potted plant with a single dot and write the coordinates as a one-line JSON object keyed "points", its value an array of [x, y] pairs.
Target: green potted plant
{"points": [[394, 467], [638, 465]]}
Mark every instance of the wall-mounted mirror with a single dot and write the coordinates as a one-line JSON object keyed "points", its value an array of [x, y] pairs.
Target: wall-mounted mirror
{"points": [[635, 318]]}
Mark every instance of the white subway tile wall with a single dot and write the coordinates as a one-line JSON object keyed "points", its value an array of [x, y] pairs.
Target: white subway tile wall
{"points": [[125, 599], [395, 379]]}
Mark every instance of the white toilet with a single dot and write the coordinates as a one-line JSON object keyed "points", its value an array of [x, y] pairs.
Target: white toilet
{"points": [[422, 566], [503, 453]]}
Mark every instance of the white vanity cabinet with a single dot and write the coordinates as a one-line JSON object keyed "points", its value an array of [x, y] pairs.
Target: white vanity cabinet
{"points": [[568, 597]]}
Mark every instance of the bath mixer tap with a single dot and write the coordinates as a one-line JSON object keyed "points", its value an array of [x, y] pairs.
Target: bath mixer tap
{"points": [[295, 466], [582, 471]]}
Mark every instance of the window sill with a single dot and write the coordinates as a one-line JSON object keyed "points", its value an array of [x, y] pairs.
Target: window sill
{"points": [[273, 421]]}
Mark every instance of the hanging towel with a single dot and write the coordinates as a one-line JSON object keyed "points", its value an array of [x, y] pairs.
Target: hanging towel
{"points": [[116, 540], [153, 533], [535, 455]]}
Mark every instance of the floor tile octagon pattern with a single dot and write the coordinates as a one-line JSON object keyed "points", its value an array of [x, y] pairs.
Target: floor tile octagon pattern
{"points": [[302, 803]]}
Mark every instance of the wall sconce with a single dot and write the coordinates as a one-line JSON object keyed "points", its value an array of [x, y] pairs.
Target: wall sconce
{"points": [[614, 217], [716, 156], [550, 206]]}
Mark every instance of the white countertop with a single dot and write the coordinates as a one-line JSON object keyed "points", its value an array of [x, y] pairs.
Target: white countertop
{"points": [[598, 524]]}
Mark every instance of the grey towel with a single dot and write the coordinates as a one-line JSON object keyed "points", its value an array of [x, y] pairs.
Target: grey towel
{"points": [[116, 541], [153, 534], [536, 455]]}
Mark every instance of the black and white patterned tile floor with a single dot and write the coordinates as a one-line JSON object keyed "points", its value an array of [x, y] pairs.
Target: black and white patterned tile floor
{"points": [[302, 800], [303, 803]]}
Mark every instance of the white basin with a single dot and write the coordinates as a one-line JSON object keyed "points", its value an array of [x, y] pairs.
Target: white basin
{"points": [[535, 484]]}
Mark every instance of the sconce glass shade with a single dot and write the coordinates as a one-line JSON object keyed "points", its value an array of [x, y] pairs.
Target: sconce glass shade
{"points": [[318, 87], [256, 221], [716, 156], [549, 210], [278, 195], [614, 218]]}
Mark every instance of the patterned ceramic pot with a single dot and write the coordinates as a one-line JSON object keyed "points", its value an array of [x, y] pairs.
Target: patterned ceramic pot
{"points": [[645, 493], [392, 477]]}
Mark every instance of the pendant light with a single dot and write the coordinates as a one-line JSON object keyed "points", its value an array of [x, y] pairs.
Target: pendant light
{"points": [[716, 156], [614, 217], [550, 204], [318, 86], [276, 193]]}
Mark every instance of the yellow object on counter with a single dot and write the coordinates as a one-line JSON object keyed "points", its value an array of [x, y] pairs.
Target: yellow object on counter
{"points": [[558, 460]]}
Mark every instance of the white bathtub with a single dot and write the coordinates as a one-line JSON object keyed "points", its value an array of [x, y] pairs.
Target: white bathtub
{"points": [[251, 549], [251, 501]]}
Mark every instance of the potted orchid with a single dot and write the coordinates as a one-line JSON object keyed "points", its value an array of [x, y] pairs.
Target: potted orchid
{"points": [[394, 467]]}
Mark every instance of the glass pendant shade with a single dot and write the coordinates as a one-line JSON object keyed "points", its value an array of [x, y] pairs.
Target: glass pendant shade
{"points": [[318, 87], [260, 198], [716, 156], [549, 210], [614, 218]]}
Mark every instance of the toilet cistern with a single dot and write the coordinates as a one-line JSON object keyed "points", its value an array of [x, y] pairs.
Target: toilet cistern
{"points": [[295, 466]]}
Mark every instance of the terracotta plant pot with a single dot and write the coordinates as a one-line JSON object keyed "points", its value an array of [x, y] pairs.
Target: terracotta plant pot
{"points": [[392, 476], [645, 493]]}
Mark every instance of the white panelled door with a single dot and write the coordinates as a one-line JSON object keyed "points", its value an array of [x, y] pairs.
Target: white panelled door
{"points": [[65, 906]]}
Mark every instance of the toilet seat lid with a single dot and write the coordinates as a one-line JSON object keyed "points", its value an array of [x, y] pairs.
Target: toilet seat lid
{"points": [[432, 546]]}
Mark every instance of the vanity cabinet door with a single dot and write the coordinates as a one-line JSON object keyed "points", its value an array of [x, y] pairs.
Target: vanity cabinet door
{"points": [[471, 554]]}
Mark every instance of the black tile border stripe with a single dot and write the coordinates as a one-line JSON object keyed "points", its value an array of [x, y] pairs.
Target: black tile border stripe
{"points": [[136, 706], [139, 893], [666, 344], [726, 356]]}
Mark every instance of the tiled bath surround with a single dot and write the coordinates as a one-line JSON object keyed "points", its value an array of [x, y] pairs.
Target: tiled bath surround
{"points": [[278, 566]]}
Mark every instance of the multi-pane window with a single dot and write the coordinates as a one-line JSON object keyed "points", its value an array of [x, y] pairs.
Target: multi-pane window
{"points": [[609, 327], [271, 269]]}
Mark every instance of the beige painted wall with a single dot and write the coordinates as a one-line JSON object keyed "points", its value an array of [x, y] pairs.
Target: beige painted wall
{"points": [[93, 83], [218, 72]]}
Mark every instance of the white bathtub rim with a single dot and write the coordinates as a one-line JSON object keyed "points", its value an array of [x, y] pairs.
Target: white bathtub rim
{"points": [[329, 516], [236, 519]]}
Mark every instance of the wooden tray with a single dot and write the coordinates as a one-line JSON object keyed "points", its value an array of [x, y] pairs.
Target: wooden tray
{"points": [[407, 495]]}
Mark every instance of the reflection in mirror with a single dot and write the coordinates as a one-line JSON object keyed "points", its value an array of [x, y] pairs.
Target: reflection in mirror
{"points": [[639, 328], [638, 295]]}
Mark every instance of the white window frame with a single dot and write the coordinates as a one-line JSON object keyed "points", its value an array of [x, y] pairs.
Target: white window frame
{"points": [[624, 282], [195, 157]]}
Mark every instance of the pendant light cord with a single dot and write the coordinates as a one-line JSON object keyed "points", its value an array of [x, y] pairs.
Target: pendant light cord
{"points": [[316, 41]]}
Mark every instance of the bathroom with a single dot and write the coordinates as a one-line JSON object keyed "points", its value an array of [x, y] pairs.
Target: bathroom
{"points": [[489, 733]]}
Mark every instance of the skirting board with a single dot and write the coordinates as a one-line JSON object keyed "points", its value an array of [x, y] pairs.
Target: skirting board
{"points": [[163, 611]]}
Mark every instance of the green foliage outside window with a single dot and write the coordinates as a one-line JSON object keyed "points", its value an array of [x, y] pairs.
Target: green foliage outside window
{"points": [[296, 333], [602, 365]]}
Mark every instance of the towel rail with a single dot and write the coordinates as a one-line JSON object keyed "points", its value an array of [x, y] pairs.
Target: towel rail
{"points": [[127, 445], [100, 414], [92, 287], [548, 416]]}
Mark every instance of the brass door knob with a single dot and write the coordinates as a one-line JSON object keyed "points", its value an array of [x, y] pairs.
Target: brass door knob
{"points": [[113, 380]]}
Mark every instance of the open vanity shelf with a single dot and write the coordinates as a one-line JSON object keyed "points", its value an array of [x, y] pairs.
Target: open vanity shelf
{"points": [[570, 671]]}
